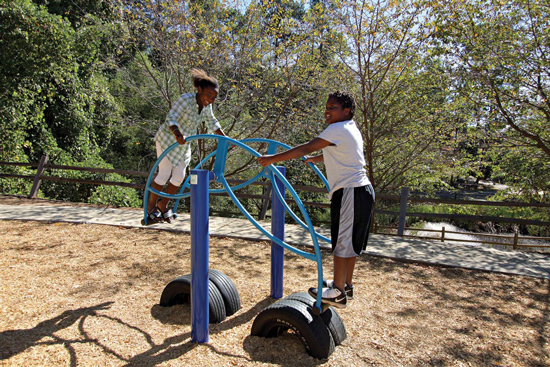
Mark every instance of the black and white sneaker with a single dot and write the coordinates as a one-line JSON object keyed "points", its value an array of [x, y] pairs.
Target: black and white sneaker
{"points": [[348, 288], [331, 296]]}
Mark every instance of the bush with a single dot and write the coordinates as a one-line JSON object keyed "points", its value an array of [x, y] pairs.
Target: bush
{"points": [[115, 195]]}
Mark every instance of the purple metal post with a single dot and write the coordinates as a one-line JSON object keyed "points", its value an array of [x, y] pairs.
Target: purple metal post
{"points": [[199, 181], [278, 230]]}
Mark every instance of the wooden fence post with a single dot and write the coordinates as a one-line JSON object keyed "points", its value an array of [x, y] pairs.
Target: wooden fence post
{"points": [[442, 234], [37, 180], [515, 246], [265, 202], [374, 227], [403, 210]]}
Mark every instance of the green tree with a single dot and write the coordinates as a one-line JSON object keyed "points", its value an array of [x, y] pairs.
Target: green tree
{"points": [[265, 58], [54, 97], [498, 54], [400, 90]]}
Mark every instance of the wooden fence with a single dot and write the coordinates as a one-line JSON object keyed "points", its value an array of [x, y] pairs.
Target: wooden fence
{"points": [[515, 241]]}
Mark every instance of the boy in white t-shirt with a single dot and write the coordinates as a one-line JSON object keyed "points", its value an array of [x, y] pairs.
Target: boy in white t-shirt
{"points": [[351, 193]]}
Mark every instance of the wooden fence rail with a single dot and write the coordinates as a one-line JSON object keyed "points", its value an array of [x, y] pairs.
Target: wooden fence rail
{"points": [[506, 240], [403, 199]]}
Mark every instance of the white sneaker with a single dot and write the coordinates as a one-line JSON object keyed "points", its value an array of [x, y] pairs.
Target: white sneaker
{"points": [[331, 296], [348, 289]]}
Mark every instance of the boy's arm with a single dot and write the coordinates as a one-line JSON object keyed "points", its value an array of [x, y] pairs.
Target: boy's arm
{"points": [[315, 159], [179, 136], [173, 117], [211, 121], [219, 132], [296, 152]]}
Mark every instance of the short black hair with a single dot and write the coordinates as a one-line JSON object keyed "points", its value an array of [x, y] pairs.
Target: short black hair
{"points": [[346, 99]]}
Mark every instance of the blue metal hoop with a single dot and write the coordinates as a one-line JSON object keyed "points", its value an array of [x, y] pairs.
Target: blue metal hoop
{"points": [[269, 172]]}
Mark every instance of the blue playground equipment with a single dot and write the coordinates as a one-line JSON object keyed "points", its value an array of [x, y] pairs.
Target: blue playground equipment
{"points": [[198, 184]]}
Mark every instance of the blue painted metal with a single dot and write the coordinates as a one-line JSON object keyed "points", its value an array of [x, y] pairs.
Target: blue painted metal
{"points": [[272, 149], [199, 255], [270, 172], [277, 193], [278, 230]]}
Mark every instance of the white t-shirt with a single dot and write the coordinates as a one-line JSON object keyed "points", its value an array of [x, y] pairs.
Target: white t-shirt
{"points": [[344, 161]]}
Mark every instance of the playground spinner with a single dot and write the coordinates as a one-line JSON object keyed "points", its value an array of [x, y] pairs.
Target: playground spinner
{"points": [[212, 294]]}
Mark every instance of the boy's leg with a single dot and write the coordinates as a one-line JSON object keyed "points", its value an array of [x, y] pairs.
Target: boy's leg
{"points": [[340, 271], [170, 189], [343, 271], [178, 175], [351, 268], [335, 294], [351, 210], [153, 198]]}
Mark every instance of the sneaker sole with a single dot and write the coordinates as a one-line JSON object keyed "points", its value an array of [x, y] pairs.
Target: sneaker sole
{"points": [[334, 304], [328, 302]]}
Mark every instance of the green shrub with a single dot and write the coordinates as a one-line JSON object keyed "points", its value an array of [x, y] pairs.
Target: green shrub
{"points": [[115, 195]]}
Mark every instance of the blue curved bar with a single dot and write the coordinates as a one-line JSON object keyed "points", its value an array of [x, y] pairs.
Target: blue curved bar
{"points": [[270, 172], [275, 144], [307, 255], [295, 217], [313, 234], [272, 149], [240, 186]]}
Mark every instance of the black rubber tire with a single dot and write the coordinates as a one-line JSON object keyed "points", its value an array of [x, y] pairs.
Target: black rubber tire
{"points": [[227, 289], [178, 291], [216, 305], [335, 325], [330, 317], [292, 314], [303, 297]]}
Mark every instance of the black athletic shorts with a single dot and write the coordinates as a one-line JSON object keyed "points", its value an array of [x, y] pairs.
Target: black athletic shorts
{"points": [[351, 210]]}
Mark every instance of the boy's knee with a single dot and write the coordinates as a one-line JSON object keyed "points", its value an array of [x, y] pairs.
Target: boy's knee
{"points": [[176, 183], [177, 180], [162, 178]]}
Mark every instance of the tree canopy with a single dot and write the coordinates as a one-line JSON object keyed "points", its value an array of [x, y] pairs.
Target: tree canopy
{"points": [[443, 88]]}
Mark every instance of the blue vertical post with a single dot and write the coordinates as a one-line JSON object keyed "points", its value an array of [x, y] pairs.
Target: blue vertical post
{"points": [[199, 180], [278, 230]]}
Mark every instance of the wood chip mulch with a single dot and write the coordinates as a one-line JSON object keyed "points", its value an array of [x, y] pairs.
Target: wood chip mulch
{"points": [[87, 295]]}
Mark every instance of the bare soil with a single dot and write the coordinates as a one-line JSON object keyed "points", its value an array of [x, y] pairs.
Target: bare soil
{"points": [[87, 295]]}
